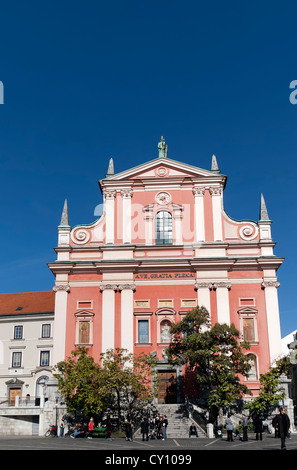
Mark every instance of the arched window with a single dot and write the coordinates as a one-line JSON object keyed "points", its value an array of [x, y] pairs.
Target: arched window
{"points": [[163, 228]]}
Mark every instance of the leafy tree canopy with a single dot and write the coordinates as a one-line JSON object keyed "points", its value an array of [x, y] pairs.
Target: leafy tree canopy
{"points": [[215, 353], [120, 382]]}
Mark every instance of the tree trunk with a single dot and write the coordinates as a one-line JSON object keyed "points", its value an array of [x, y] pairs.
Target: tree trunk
{"points": [[220, 417]]}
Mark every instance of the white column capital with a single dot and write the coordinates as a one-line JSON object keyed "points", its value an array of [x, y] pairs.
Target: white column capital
{"points": [[131, 286], [113, 287], [270, 284], [109, 193], [61, 288], [126, 193], [223, 284], [216, 190], [198, 191], [203, 285]]}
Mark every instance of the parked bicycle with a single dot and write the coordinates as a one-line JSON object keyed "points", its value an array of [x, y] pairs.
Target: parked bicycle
{"points": [[52, 431]]}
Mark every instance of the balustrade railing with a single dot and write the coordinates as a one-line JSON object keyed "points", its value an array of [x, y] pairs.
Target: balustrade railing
{"points": [[22, 402]]}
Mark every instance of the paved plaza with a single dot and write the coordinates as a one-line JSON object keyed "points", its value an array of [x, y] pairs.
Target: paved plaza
{"points": [[115, 447]]}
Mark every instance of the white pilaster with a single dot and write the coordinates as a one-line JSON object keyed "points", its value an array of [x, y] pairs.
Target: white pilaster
{"points": [[109, 196], [178, 217], [222, 294], [216, 193], [203, 294], [127, 330], [108, 316], [273, 320], [199, 214], [126, 198], [148, 221], [59, 335]]}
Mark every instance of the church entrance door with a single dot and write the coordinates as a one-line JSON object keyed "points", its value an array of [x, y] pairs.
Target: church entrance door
{"points": [[167, 389]]}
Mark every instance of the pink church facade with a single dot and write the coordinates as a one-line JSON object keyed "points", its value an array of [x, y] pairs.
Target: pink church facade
{"points": [[163, 245]]}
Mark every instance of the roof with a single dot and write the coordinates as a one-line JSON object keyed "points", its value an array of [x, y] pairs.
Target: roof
{"points": [[27, 302], [194, 170]]}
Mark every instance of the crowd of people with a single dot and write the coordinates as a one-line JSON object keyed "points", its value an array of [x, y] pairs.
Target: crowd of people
{"points": [[154, 428], [280, 423]]}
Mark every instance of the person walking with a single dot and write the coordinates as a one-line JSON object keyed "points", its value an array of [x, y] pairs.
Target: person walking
{"points": [[282, 425], [165, 424], [62, 428], [90, 428], [229, 428], [128, 430], [258, 425], [244, 427], [145, 429], [108, 429]]}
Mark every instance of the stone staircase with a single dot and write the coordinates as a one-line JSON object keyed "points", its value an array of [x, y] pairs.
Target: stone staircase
{"points": [[178, 422]]}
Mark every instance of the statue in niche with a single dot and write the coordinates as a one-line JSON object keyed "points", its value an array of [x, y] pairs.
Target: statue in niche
{"points": [[165, 333]]}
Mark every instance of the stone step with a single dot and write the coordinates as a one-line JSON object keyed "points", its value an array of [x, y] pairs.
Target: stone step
{"points": [[178, 423]]}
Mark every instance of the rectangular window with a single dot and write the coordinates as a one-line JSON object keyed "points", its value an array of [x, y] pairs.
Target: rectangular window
{"points": [[81, 304], [46, 331], [143, 331], [18, 332], [165, 303], [141, 303], [44, 358], [188, 303], [247, 302], [16, 359]]}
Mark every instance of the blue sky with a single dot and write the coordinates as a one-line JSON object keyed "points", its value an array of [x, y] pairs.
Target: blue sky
{"points": [[88, 80]]}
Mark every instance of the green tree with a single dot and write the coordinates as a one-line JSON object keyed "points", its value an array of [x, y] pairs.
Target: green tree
{"points": [[215, 354], [120, 382], [129, 378], [270, 394], [81, 382]]}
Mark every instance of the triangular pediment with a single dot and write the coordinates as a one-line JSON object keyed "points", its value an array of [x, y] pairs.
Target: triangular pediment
{"points": [[247, 311], [161, 168]]}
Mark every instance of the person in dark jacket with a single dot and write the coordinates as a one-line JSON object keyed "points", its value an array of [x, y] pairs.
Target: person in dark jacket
{"points": [[128, 429], [258, 425], [282, 425], [145, 429], [193, 430], [108, 429]]}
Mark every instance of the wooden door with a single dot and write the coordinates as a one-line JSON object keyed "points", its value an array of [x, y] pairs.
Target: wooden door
{"points": [[167, 390], [13, 393]]}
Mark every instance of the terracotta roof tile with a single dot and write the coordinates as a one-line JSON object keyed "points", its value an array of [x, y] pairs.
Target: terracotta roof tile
{"points": [[27, 302]]}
